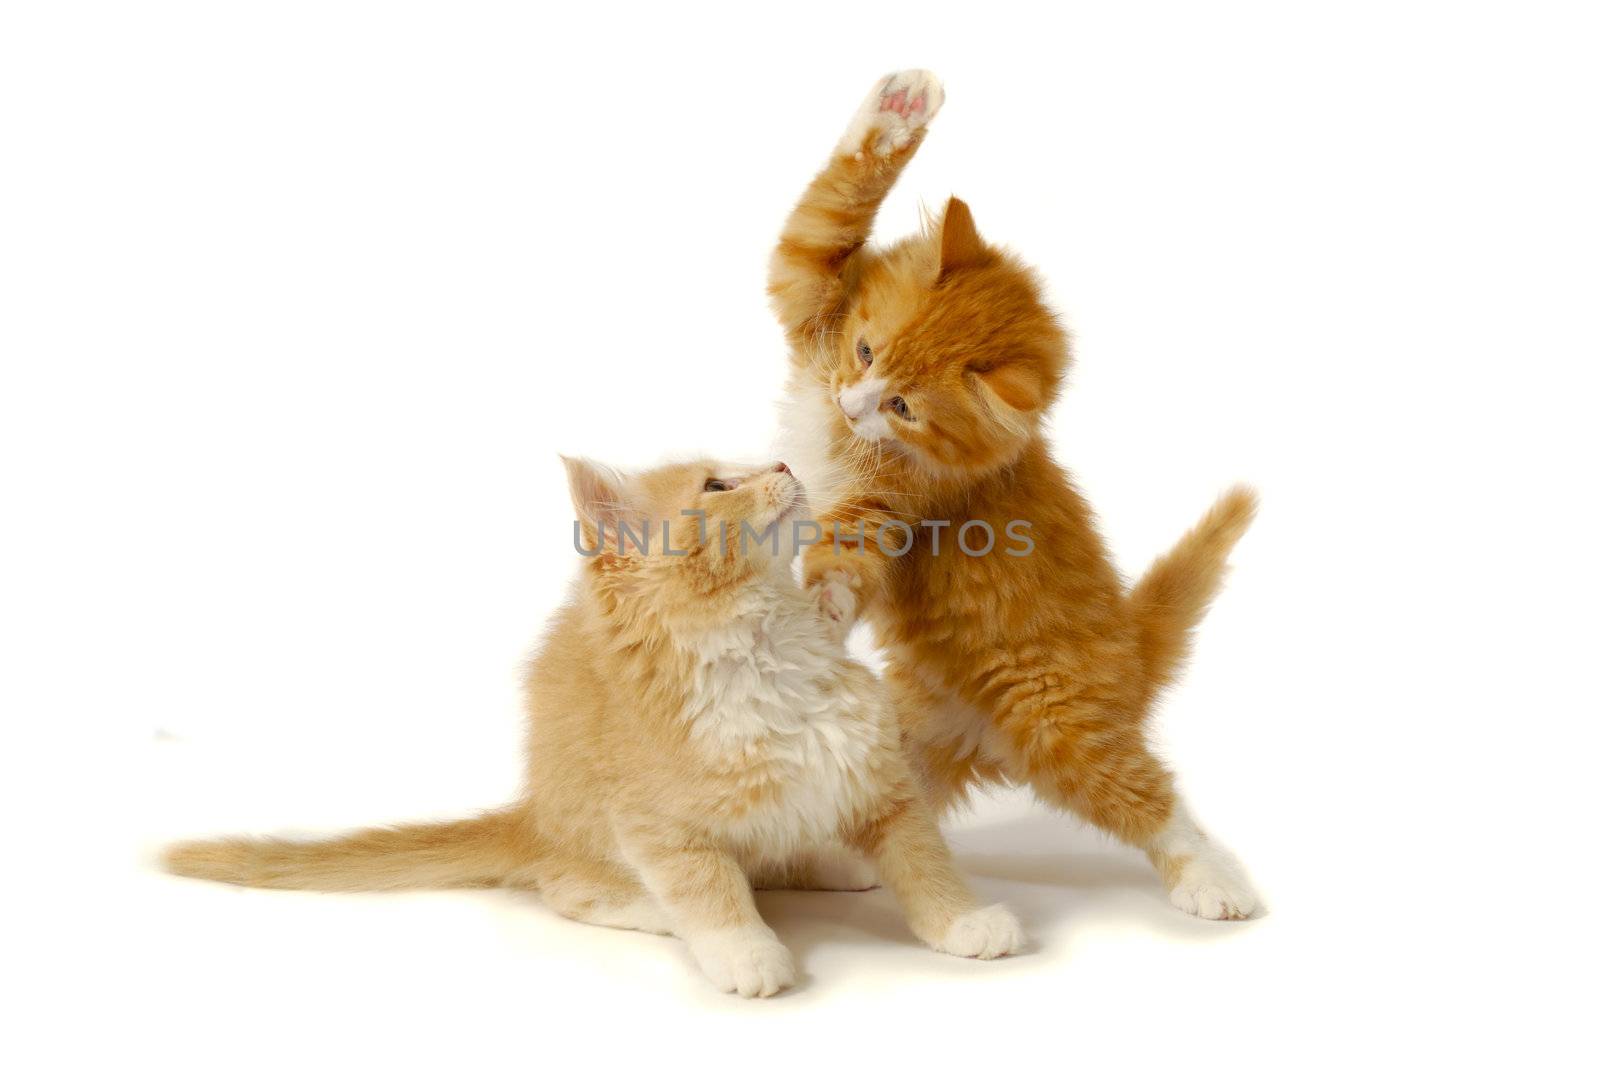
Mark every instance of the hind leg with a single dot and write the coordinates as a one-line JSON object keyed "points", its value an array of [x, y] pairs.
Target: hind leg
{"points": [[945, 740], [1202, 877], [603, 894], [1095, 765]]}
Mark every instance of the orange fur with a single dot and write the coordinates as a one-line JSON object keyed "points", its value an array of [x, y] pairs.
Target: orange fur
{"points": [[1041, 667]]}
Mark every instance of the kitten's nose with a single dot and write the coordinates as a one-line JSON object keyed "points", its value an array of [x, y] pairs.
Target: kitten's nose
{"points": [[781, 468], [860, 398]]}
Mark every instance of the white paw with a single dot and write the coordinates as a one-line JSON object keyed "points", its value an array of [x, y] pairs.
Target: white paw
{"points": [[1211, 889], [983, 934], [897, 108], [751, 963], [837, 602]]}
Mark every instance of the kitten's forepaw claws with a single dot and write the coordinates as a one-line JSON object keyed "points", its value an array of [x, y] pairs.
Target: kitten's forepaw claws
{"points": [[984, 934]]}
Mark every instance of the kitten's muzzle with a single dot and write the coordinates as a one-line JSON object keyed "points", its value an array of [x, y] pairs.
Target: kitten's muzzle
{"points": [[860, 399], [787, 497]]}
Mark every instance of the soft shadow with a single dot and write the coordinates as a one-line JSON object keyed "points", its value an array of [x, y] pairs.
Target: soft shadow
{"points": [[828, 931], [1033, 854], [806, 919], [1059, 876], [1048, 849]]}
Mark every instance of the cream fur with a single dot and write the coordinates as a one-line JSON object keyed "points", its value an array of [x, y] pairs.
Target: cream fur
{"points": [[696, 726]]}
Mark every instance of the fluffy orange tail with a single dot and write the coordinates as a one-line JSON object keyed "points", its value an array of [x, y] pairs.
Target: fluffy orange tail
{"points": [[1172, 597], [488, 850]]}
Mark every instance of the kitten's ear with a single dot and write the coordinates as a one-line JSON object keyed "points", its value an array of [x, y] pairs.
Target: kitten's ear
{"points": [[959, 243], [598, 500], [1016, 383]]}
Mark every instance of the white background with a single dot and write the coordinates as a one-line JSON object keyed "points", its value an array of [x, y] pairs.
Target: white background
{"points": [[298, 302]]}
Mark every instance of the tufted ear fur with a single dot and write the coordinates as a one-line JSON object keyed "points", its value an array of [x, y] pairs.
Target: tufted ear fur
{"points": [[959, 243], [600, 502]]}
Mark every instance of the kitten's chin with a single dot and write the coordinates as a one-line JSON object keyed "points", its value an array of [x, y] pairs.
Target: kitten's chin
{"points": [[784, 533], [796, 510]]}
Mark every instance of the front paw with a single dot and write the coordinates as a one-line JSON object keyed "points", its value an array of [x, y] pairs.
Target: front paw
{"points": [[836, 601], [894, 114], [983, 933], [751, 963]]}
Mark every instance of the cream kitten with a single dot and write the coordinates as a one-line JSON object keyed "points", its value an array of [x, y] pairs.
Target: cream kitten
{"points": [[695, 725]]}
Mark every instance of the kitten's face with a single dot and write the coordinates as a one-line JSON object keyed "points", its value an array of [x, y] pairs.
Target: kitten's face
{"points": [[948, 353], [692, 515], [720, 504]]}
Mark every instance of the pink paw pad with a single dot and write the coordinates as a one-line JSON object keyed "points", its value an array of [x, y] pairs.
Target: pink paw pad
{"points": [[903, 104]]}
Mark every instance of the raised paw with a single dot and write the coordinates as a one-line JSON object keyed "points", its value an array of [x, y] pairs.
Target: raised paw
{"points": [[751, 963], [1212, 890], [893, 114], [984, 934]]}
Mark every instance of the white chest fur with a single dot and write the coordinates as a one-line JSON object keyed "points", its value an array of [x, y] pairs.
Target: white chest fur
{"points": [[783, 712]]}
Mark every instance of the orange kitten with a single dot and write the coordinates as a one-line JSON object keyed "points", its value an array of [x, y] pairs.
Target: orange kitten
{"points": [[695, 723], [920, 374]]}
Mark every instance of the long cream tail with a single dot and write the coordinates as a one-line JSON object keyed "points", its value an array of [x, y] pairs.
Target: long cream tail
{"points": [[1172, 597], [488, 850]]}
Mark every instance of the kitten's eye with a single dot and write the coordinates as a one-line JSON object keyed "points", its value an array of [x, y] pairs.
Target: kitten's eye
{"points": [[715, 486], [864, 350], [897, 404]]}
